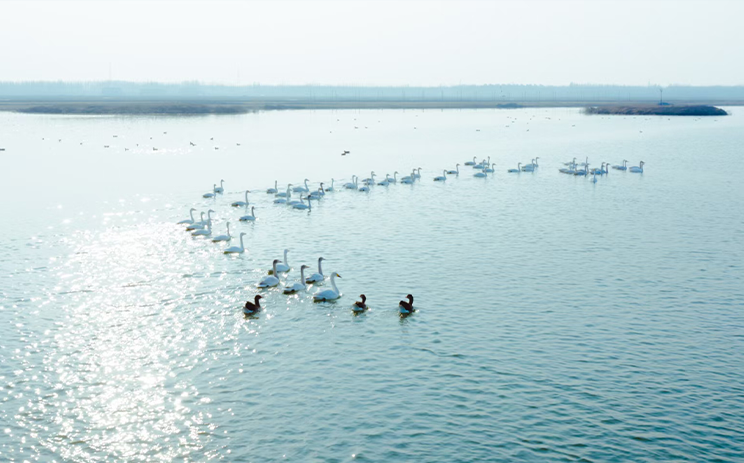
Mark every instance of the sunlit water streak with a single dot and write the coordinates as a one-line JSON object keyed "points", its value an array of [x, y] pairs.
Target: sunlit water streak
{"points": [[558, 319]]}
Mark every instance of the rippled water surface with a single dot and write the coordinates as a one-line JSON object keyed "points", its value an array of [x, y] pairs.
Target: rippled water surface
{"points": [[558, 319]]}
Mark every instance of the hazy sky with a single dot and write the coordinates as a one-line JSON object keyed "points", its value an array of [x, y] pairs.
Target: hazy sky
{"points": [[382, 42]]}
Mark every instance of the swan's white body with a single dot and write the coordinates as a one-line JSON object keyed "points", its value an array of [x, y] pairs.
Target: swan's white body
{"points": [[241, 203], [270, 281], [480, 174], [283, 197], [364, 188], [517, 170], [637, 169], [219, 189], [301, 189], [298, 286], [204, 231], [529, 167], [441, 178], [331, 187], [188, 221], [272, 191], [489, 169], [283, 267], [223, 237], [201, 224], [328, 294], [385, 182], [622, 167], [394, 179], [370, 180], [416, 173], [471, 163], [212, 194], [286, 194], [351, 185], [236, 249], [302, 205], [317, 277], [249, 218], [456, 171]]}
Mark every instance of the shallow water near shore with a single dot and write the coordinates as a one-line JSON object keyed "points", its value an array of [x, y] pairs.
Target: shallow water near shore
{"points": [[558, 319]]}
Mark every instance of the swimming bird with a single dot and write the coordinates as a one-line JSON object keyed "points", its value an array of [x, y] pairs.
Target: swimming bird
{"points": [[272, 191], [406, 307], [353, 184], [489, 169], [330, 188], [271, 280], [416, 173], [517, 170], [529, 167], [624, 166], [188, 221], [386, 181], [285, 194], [236, 249], [441, 178], [196, 225], [220, 189], [249, 218], [370, 180], [394, 179], [360, 306], [223, 237], [471, 163], [204, 231], [594, 177], [301, 189], [481, 174], [298, 286], [363, 188], [252, 307], [241, 203], [282, 266], [328, 294], [456, 171], [317, 277], [637, 169], [302, 205], [212, 194]]}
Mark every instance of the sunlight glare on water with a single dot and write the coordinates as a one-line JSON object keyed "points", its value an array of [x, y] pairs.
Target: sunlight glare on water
{"points": [[558, 320]]}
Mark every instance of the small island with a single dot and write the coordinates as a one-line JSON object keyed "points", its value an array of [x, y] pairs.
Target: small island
{"points": [[657, 110]]}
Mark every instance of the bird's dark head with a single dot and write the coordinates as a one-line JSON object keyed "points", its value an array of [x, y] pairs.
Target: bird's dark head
{"points": [[410, 297]]}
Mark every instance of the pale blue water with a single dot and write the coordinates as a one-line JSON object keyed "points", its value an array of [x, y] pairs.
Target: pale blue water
{"points": [[558, 320]]}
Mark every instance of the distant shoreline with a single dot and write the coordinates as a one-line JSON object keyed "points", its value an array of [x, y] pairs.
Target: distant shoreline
{"points": [[176, 107], [656, 110]]}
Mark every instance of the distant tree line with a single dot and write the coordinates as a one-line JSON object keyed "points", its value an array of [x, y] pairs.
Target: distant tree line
{"points": [[493, 92]]}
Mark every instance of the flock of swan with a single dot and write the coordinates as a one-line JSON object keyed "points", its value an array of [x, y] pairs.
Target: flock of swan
{"points": [[203, 226]]}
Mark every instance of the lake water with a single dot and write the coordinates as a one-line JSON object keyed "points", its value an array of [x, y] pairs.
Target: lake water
{"points": [[558, 319]]}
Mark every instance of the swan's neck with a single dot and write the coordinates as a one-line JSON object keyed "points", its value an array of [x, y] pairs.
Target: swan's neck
{"points": [[320, 269], [306, 184], [302, 277], [276, 183], [246, 198], [191, 214], [285, 258], [333, 283], [253, 214], [241, 242], [228, 228]]}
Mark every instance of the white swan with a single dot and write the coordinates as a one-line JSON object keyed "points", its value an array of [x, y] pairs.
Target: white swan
{"points": [[371, 179], [416, 173], [298, 286], [301, 189], [271, 280], [203, 223], [241, 203], [328, 294], [385, 182], [236, 249], [622, 167], [584, 171], [481, 174], [456, 171], [394, 179], [249, 218], [441, 178], [212, 194], [302, 206], [407, 180], [283, 267], [353, 184], [204, 231], [594, 177], [286, 194], [188, 221], [272, 191], [489, 170], [517, 170], [529, 167], [219, 189], [330, 188], [317, 277], [471, 163], [283, 197], [570, 163], [637, 169], [227, 237]]}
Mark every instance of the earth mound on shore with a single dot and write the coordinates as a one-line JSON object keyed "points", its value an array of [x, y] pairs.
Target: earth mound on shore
{"points": [[657, 110]]}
